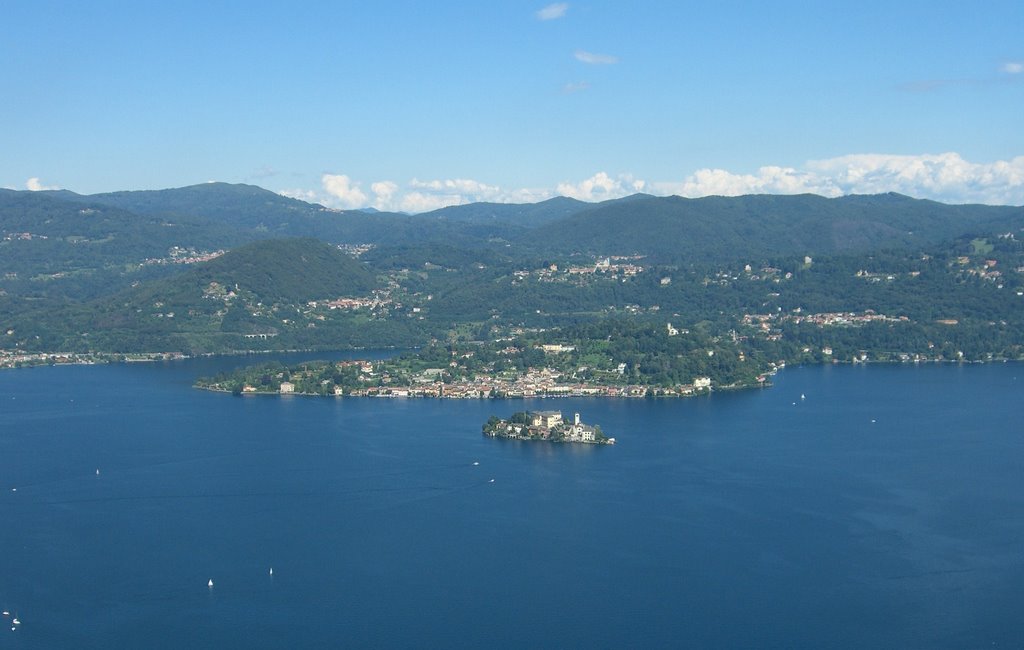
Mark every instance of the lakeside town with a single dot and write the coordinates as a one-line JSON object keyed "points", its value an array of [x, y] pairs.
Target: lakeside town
{"points": [[10, 359], [377, 381]]}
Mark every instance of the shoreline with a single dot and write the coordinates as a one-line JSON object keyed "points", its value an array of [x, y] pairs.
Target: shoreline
{"points": [[214, 389], [14, 360]]}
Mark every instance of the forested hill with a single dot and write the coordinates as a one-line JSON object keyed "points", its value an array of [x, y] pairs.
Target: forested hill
{"points": [[255, 213], [230, 204], [523, 215], [667, 228], [275, 270], [148, 270], [722, 228], [53, 247], [526, 215], [255, 289]]}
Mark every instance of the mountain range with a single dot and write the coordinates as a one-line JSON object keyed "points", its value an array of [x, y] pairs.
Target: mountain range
{"points": [[707, 228], [74, 268]]}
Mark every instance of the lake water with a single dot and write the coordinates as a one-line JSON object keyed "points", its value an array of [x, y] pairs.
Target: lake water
{"points": [[884, 510]]}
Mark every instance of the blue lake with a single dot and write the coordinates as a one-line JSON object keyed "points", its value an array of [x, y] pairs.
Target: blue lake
{"points": [[884, 510]]}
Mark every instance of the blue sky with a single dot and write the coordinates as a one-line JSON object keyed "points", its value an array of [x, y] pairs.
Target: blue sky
{"points": [[411, 106]]}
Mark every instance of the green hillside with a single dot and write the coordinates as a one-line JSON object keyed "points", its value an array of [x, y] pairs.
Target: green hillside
{"points": [[237, 205], [255, 289], [283, 269], [51, 247], [725, 228], [525, 215], [256, 213], [80, 275]]}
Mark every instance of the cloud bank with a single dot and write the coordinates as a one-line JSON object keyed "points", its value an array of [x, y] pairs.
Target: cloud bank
{"points": [[945, 177]]}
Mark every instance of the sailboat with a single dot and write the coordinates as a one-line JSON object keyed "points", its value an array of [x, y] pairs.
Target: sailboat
{"points": [[210, 583]]}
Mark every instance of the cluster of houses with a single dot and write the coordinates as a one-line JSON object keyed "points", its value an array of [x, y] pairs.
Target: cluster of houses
{"points": [[546, 425], [484, 387], [22, 236], [179, 255], [825, 319], [543, 382], [372, 302], [490, 387], [614, 266]]}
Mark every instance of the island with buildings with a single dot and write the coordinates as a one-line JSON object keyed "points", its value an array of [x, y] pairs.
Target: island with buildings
{"points": [[545, 425]]}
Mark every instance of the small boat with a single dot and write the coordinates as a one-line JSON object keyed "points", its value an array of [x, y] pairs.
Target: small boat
{"points": [[802, 396], [97, 472], [476, 462], [6, 613], [491, 481], [271, 570], [16, 621], [210, 583]]}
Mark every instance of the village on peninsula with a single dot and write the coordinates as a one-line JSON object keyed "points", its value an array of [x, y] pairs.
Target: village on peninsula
{"points": [[545, 425]]}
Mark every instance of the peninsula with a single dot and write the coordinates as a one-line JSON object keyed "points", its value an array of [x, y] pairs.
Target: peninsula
{"points": [[545, 425]]}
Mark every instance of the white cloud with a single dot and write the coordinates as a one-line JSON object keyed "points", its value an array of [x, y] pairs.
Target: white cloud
{"points": [[303, 195], [552, 11], [1013, 67], [458, 186], [341, 191], [767, 180], [35, 185], [943, 177], [601, 187], [429, 195], [345, 193], [595, 59], [426, 201], [384, 191]]}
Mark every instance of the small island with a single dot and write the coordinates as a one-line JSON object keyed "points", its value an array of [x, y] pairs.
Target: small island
{"points": [[545, 425]]}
